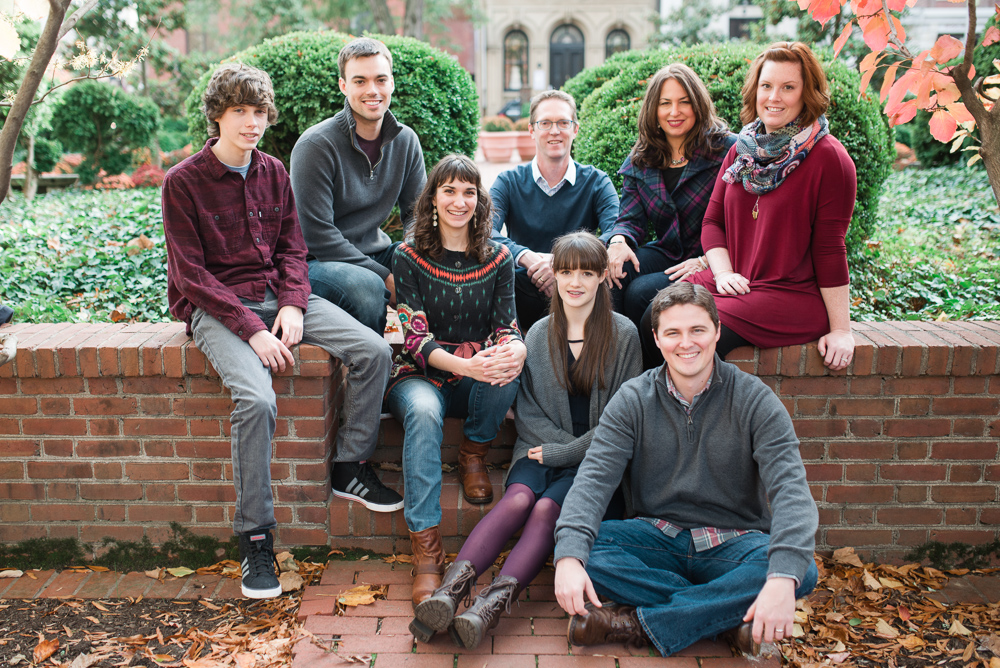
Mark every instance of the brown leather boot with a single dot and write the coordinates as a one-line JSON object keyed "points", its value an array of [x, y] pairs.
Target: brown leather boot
{"points": [[428, 563], [469, 628], [436, 612], [472, 471], [611, 623], [742, 639]]}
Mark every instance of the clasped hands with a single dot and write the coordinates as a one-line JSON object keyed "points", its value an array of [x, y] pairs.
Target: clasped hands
{"points": [[273, 352], [497, 365]]}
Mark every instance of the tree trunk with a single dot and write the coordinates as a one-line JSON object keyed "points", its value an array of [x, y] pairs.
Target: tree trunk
{"points": [[383, 19], [47, 43], [413, 19], [989, 134], [30, 175]]}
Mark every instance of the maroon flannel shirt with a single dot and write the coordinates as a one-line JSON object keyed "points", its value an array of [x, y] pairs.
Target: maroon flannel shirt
{"points": [[230, 239]]}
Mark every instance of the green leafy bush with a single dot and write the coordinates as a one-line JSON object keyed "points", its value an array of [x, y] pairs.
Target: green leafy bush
{"points": [[104, 123], [592, 78], [434, 95], [608, 117], [497, 124], [65, 257]]}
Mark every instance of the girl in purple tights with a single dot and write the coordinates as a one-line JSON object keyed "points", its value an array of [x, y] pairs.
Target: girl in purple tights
{"points": [[578, 357]]}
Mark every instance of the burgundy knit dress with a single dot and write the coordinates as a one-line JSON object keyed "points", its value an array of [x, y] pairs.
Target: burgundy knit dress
{"points": [[794, 247]]}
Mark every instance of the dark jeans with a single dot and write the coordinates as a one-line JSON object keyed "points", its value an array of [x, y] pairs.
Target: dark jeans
{"points": [[359, 291], [682, 595], [532, 304], [639, 287]]}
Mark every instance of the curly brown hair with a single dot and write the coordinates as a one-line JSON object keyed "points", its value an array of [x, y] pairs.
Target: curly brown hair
{"points": [[233, 85], [426, 238]]}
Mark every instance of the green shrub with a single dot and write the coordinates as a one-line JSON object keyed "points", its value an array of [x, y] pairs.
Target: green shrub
{"points": [[608, 117], [592, 78], [497, 124], [434, 95], [522, 125], [105, 124]]}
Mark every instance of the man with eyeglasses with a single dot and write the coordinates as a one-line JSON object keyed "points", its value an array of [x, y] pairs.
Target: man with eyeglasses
{"points": [[551, 196]]}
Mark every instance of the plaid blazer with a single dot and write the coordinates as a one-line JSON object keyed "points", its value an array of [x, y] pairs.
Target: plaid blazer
{"points": [[671, 219]]}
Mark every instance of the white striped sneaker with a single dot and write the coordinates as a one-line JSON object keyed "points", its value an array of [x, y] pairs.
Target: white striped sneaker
{"points": [[358, 482]]}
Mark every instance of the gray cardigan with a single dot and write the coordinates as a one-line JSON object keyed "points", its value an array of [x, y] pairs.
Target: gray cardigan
{"points": [[542, 415], [733, 464], [342, 199]]}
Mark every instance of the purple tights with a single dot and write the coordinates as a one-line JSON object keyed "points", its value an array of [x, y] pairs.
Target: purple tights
{"points": [[517, 508]]}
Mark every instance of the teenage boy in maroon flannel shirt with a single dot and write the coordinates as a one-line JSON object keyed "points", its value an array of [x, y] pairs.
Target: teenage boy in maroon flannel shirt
{"points": [[237, 276]]}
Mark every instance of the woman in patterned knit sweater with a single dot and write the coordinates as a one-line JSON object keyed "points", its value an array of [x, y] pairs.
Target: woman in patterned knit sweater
{"points": [[578, 357], [462, 351]]}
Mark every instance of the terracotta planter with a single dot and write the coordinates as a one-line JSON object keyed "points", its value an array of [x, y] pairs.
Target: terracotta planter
{"points": [[498, 146], [525, 146]]}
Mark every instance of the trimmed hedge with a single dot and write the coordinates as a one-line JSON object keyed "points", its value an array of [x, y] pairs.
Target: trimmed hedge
{"points": [[608, 116], [434, 95]]}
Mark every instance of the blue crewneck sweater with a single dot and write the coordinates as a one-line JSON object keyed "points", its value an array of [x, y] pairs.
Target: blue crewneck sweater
{"points": [[534, 219]]}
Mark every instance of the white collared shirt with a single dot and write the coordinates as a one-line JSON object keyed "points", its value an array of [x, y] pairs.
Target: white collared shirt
{"points": [[568, 177]]}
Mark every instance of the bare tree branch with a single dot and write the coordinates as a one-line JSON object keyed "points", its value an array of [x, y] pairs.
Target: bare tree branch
{"points": [[46, 47], [70, 23], [970, 39], [893, 37]]}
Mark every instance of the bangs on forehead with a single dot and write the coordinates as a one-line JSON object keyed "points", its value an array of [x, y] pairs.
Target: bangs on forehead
{"points": [[251, 95], [458, 170], [573, 254]]}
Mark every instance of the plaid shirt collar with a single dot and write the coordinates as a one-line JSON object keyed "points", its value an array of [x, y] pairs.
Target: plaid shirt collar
{"points": [[675, 393], [697, 162], [217, 169]]}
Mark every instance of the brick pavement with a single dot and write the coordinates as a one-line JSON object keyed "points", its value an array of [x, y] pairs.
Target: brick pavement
{"points": [[533, 635]]}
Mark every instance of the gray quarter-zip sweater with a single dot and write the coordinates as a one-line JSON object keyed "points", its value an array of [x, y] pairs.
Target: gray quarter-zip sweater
{"points": [[342, 199], [734, 463]]}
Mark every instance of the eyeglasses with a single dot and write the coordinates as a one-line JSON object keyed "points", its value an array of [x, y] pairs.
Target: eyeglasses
{"points": [[564, 124]]}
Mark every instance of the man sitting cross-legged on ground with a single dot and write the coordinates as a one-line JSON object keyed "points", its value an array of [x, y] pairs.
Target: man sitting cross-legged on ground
{"points": [[551, 196], [237, 276], [725, 525]]}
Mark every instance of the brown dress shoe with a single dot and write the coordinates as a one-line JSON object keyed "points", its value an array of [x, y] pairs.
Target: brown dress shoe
{"points": [[428, 563], [472, 470], [742, 639], [612, 623]]}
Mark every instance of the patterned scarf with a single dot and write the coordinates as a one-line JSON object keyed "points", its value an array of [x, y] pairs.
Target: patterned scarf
{"points": [[765, 159]]}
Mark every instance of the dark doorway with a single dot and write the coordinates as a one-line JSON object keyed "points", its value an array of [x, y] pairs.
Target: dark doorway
{"points": [[565, 54]]}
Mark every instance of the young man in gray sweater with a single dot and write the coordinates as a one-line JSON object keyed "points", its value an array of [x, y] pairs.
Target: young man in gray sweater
{"points": [[348, 172], [723, 538]]}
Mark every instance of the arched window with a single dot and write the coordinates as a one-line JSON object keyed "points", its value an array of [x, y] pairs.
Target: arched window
{"points": [[617, 41], [566, 49], [515, 61]]}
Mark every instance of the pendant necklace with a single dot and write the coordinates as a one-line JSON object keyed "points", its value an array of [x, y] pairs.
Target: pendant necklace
{"points": [[679, 161], [755, 210]]}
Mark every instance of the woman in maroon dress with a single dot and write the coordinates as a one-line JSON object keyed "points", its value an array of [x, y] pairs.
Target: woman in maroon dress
{"points": [[774, 230]]}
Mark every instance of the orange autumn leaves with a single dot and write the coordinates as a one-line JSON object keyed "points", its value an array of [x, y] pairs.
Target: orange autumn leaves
{"points": [[878, 615]]}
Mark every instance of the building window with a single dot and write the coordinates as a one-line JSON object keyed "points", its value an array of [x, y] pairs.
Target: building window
{"points": [[618, 41], [515, 60], [740, 28], [566, 49]]}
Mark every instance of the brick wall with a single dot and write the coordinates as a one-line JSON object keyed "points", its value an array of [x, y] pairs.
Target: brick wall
{"points": [[117, 430]]}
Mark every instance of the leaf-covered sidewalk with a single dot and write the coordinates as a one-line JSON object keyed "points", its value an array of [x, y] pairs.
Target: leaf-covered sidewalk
{"points": [[358, 611]]}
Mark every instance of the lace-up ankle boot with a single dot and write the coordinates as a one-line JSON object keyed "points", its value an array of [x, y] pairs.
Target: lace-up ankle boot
{"points": [[469, 628], [476, 486], [436, 612], [612, 623]]}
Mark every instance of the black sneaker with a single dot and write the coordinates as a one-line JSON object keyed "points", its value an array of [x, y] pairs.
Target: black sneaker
{"points": [[358, 482], [258, 563]]}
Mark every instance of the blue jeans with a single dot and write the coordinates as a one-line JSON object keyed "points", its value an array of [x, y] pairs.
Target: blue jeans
{"points": [[639, 287], [421, 408], [682, 596], [359, 291]]}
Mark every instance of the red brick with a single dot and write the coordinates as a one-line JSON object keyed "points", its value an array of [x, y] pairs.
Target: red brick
{"points": [[108, 448], [900, 428], [859, 472], [968, 427], [299, 406], [50, 470], [897, 516], [911, 450], [959, 516], [105, 406], [159, 513], [204, 385], [136, 471], [9, 425], [862, 450], [61, 512], [990, 516], [108, 470], [157, 385], [966, 406], [65, 584], [11, 470], [859, 494], [820, 428], [116, 492], [61, 491], [915, 406], [20, 447], [970, 385], [862, 406], [203, 406], [155, 426], [54, 426], [216, 493], [22, 491], [103, 426], [857, 537], [964, 493], [962, 536], [102, 386], [862, 428], [531, 645], [917, 386], [858, 516], [55, 406], [965, 473], [824, 386], [20, 406], [964, 450], [15, 513], [912, 471], [106, 513]]}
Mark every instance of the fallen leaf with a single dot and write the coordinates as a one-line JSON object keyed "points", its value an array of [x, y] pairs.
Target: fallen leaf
{"points": [[85, 660], [904, 613], [10, 573], [846, 555], [797, 631], [245, 660], [839, 657], [180, 571], [155, 574], [912, 642], [118, 314], [202, 663], [99, 606], [892, 584], [994, 662], [884, 630], [286, 562], [335, 552], [290, 581], [163, 658], [44, 649], [31, 575], [208, 605], [871, 582], [355, 658], [93, 619], [957, 629], [969, 650]]}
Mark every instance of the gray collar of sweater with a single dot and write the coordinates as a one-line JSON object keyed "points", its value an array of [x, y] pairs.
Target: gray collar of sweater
{"points": [[349, 125]]}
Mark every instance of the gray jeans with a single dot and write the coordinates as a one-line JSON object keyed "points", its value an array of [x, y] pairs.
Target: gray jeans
{"points": [[365, 354]]}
